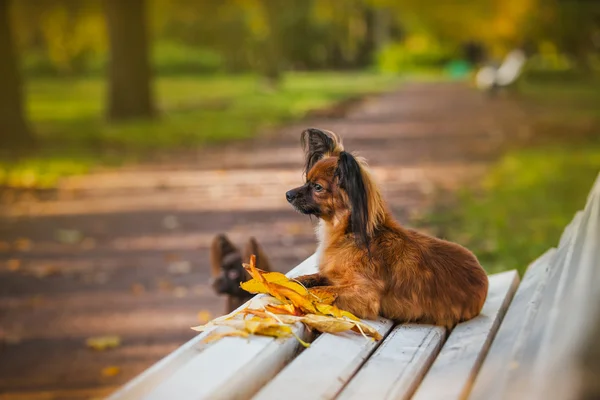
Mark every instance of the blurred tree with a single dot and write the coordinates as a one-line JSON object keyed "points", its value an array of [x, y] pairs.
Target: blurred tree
{"points": [[573, 26], [129, 86], [268, 20], [63, 37], [14, 132]]}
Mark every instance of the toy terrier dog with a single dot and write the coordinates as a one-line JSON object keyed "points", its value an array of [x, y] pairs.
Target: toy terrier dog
{"points": [[375, 265]]}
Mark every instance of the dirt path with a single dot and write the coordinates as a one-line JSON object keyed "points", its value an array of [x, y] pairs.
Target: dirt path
{"points": [[126, 253]]}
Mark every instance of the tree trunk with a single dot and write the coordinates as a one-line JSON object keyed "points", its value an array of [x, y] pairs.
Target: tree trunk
{"points": [[129, 76], [271, 54], [14, 132]]}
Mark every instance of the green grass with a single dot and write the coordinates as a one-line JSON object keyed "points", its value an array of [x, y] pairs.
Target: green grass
{"points": [[68, 117], [529, 196]]}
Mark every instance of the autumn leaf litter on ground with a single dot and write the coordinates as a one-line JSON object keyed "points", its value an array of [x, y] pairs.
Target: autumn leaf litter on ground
{"points": [[101, 343], [285, 303]]}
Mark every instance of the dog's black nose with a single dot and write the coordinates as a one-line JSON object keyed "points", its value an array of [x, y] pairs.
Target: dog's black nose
{"points": [[290, 195]]}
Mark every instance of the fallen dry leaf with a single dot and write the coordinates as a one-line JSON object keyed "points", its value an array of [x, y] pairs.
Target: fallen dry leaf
{"points": [[100, 278], [327, 324], [294, 229], [171, 222], [198, 290], [255, 286], [323, 295], [180, 292], [45, 270], [101, 343], [138, 289], [13, 264], [23, 244], [171, 257], [283, 309], [291, 303], [329, 309], [68, 236], [179, 267], [9, 338], [300, 301], [219, 335], [283, 318], [36, 301], [267, 327], [366, 329], [111, 371], [164, 285], [204, 316], [88, 243]]}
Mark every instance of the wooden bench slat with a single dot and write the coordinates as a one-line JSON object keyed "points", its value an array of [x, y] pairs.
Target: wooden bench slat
{"points": [[568, 231], [574, 308], [321, 371], [530, 347], [398, 365], [230, 367], [457, 364], [492, 376], [236, 370]]}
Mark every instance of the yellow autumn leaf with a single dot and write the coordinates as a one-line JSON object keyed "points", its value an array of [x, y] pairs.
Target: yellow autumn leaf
{"points": [[297, 299], [266, 327], [258, 275], [327, 324], [256, 286], [13, 264], [204, 316], [102, 343], [291, 303], [111, 371], [366, 329], [283, 309], [328, 309], [323, 295], [232, 323], [220, 335], [253, 271], [282, 318]]}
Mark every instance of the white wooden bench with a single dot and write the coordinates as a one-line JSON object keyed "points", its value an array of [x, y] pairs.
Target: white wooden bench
{"points": [[522, 346], [490, 78]]}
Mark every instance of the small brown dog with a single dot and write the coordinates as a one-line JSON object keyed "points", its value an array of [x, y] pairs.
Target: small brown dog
{"points": [[376, 266], [227, 270]]}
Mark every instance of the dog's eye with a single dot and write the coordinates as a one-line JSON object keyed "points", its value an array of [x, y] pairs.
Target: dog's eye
{"points": [[318, 187]]}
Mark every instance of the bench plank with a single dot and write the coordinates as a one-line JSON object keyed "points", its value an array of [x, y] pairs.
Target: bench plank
{"points": [[223, 369], [492, 377], [398, 365], [323, 369], [455, 368], [554, 373], [529, 348]]}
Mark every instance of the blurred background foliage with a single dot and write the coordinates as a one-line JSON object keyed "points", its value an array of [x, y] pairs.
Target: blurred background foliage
{"points": [[68, 37]]}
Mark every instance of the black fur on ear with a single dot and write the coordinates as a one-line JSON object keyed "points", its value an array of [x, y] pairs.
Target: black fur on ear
{"points": [[315, 144], [351, 180]]}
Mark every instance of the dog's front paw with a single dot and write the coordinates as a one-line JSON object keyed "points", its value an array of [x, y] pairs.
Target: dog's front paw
{"points": [[360, 306], [311, 280]]}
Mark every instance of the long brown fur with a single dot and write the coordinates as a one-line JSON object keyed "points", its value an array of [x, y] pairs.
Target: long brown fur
{"points": [[378, 266], [227, 271]]}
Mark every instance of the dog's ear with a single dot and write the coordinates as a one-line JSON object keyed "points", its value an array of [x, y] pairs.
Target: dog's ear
{"points": [[252, 247], [317, 144], [220, 249], [350, 179]]}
